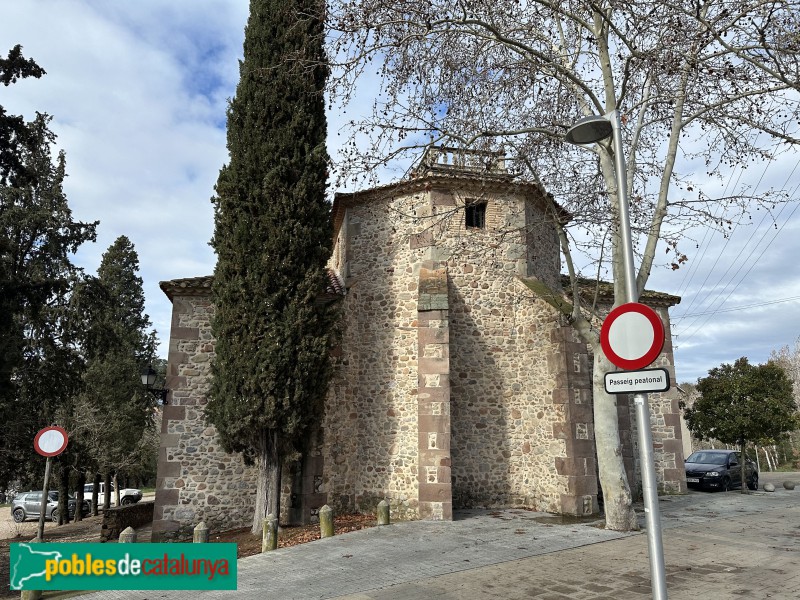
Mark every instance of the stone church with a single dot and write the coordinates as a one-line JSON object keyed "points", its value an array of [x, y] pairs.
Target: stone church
{"points": [[455, 384]]}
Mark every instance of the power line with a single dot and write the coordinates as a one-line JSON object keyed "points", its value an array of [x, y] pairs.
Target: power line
{"points": [[735, 308], [711, 313], [727, 241]]}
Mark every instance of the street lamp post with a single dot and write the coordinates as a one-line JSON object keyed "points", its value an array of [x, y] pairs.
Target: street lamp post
{"points": [[590, 130], [149, 379]]}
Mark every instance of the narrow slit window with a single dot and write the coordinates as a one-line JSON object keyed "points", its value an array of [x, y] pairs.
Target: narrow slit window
{"points": [[475, 215]]}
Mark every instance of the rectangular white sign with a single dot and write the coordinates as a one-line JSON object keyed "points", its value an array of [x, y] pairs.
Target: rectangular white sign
{"points": [[635, 382]]}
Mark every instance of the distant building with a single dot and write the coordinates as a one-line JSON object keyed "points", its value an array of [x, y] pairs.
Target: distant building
{"points": [[455, 384]]}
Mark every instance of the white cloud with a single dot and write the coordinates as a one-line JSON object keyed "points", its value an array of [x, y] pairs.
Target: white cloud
{"points": [[138, 91]]}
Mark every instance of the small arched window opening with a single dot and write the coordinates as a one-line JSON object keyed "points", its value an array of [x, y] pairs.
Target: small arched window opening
{"points": [[475, 215]]}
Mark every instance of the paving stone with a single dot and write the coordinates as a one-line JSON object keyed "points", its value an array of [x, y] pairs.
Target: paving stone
{"points": [[715, 546]]}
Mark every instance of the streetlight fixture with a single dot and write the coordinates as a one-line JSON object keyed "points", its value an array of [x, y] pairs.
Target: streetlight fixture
{"points": [[590, 130], [148, 381]]}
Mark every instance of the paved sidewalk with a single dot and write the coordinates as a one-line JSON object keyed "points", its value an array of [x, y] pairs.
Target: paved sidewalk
{"points": [[722, 545]]}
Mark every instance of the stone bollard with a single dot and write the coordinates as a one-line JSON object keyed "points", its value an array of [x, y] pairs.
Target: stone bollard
{"points": [[788, 485], [200, 534], [128, 536], [269, 533], [32, 594], [768, 487], [326, 521], [383, 512]]}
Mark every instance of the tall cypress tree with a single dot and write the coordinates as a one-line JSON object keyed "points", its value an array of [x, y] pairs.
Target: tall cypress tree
{"points": [[272, 239]]}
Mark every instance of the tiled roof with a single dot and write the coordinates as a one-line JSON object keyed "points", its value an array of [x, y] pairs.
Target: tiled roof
{"points": [[605, 292], [192, 286], [201, 286]]}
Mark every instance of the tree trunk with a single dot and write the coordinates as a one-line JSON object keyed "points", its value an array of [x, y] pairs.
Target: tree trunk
{"points": [[95, 492], [116, 490], [758, 461], [617, 499], [107, 494], [775, 457], [63, 495], [268, 487], [743, 466], [79, 495]]}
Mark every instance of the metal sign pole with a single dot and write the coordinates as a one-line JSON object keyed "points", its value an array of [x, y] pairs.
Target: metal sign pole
{"points": [[658, 582], [43, 509]]}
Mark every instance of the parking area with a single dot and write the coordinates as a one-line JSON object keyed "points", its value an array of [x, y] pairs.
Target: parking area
{"points": [[10, 529]]}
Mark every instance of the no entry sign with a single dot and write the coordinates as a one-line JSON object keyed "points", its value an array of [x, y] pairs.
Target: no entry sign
{"points": [[50, 441], [632, 336]]}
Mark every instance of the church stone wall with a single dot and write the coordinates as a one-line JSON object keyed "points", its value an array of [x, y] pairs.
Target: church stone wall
{"points": [[506, 441], [371, 421], [197, 481], [454, 385], [504, 418]]}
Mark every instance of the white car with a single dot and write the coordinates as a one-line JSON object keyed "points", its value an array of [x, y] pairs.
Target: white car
{"points": [[126, 495]]}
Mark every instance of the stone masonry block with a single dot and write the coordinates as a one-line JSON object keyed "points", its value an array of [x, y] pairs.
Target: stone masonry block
{"points": [[167, 497], [434, 365], [169, 468], [435, 492], [172, 412], [421, 240], [434, 423], [185, 333], [562, 396], [582, 485], [431, 381], [431, 315], [562, 431], [434, 351], [439, 394], [435, 408], [429, 335], [571, 505], [175, 358]]}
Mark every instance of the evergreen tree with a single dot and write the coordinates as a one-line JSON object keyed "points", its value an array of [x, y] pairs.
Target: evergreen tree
{"points": [[39, 368], [272, 238], [14, 132], [743, 403], [114, 409]]}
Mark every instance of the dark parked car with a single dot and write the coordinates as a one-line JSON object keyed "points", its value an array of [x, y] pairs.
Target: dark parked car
{"points": [[27, 505], [719, 470]]}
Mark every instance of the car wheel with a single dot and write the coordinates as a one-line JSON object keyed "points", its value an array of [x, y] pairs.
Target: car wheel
{"points": [[726, 484], [753, 483], [125, 501], [54, 516], [19, 515]]}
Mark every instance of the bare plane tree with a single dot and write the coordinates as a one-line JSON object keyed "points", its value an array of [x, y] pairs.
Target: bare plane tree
{"points": [[703, 86]]}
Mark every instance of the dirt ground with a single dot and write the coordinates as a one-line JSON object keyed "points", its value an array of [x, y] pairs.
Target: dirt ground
{"points": [[88, 530]]}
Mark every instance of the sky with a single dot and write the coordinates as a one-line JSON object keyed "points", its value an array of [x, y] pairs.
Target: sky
{"points": [[138, 93]]}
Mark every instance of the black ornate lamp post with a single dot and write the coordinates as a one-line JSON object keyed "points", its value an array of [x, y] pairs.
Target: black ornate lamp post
{"points": [[149, 379]]}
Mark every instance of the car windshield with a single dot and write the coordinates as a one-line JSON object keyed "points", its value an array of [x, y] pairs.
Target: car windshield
{"points": [[708, 458]]}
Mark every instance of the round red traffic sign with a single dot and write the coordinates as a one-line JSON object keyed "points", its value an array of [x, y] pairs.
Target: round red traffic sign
{"points": [[632, 336], [51, 441]]}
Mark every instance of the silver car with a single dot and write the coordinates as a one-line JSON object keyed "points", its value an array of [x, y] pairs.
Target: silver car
{"points": [[27, 505]]}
